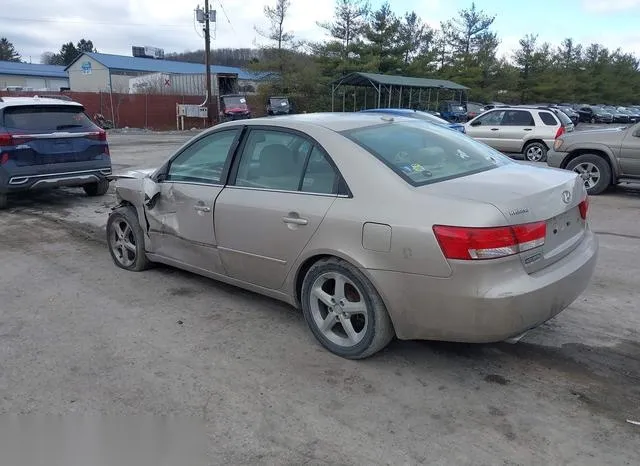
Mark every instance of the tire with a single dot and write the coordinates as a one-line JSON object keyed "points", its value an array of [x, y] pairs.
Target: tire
{"points": [[371, 329], [126, 245], [593, 121], [97, 189], [4, 201], [587, 165], [535, 152]]}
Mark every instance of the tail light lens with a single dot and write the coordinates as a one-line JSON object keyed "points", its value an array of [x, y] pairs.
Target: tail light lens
{"points": [[560, 132], [469, 243], [584, 208], [6, 139], [99, 136]]}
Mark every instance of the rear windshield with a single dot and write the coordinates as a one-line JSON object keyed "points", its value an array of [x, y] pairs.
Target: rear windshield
{"points": [[235, 103], [47, 118], [564, 119], [423, 155], [275, 102]]}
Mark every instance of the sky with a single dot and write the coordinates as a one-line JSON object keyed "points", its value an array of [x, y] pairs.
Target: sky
{"points": [[115, 25]]}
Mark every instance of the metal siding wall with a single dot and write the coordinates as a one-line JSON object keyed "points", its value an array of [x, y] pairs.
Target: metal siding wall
{"points": [[97, 81]]}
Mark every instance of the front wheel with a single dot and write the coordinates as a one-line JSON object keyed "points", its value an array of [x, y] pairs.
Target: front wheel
{"points": [[594, 171], [4, 201], [344, 311], [126, 240], [535, 152]]}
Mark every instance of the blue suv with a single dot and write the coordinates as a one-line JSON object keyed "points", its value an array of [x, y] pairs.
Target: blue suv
{"points": [[50, 142], [418, 115]]}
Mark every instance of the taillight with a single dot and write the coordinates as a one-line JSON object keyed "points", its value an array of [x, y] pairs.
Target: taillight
{"points": [[584, 208], [6, 139], [560, 132], [4, 158], [99, 136], [470, 243]]}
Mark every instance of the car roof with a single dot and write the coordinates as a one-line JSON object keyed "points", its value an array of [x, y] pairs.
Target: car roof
{"points": [[335, 121], [19, 101]]}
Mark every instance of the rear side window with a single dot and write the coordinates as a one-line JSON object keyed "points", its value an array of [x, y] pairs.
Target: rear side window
{"points": [[46, 118], [547, 118], [423, 154], [517, 118]]}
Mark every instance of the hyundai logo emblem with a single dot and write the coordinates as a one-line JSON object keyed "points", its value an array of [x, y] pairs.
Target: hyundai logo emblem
{"points": [[566, 197]]}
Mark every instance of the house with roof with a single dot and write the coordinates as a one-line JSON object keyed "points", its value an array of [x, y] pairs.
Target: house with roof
{"points": [[17, 76], [100, 72]]}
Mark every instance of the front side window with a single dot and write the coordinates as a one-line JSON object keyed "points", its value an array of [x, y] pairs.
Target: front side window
{"points": [[491, 118], [423, 155], [203, 161]]}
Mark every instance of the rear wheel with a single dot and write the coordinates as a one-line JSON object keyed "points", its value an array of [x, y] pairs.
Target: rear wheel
{"points": [[593, 120], [97, 189], [535, 152], [344, 311], [594, 171], [126, 240], [4, 202]]}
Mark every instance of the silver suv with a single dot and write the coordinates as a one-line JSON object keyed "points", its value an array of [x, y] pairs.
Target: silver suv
{"points": [[530, 131]]}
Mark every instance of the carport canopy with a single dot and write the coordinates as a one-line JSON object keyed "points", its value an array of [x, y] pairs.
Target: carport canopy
{"points": [[387, 82]]}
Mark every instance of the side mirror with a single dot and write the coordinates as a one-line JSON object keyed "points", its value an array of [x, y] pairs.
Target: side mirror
{"points": [[476, 123], [151, 192]]}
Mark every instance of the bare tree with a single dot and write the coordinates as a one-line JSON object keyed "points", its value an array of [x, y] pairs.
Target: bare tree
{"points": [[276, 16]]}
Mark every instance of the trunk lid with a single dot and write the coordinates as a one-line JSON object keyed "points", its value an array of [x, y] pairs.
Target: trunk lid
{"points": [[527, 194]]}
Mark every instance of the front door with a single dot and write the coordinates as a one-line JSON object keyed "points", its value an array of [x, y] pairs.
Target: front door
{"points": [[181, 223], [279, 192], [630, 152], [488, 131]]}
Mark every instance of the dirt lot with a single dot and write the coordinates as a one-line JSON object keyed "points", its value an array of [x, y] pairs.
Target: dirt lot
{"points": [[78, 335]]}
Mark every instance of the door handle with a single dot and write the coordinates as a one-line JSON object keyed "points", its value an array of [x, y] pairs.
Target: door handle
{"points": [[528, 129], [202, 208], [295, 220], [494, 129]]}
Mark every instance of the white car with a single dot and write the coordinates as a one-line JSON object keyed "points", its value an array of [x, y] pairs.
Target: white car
{"points": [[530, 131]]}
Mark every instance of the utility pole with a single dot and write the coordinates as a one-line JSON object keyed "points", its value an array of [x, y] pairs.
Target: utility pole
{"points": [[206, 17]]}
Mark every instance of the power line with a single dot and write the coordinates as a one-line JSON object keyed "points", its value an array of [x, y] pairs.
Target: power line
{"points": [[226, 16], [83, 21]]}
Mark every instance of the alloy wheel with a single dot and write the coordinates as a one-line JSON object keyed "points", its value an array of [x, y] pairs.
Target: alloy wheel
{"points": [[534, 153], [123, 243], [338, 309], [589, 173]]}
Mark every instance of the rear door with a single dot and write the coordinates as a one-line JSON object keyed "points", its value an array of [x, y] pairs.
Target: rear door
{"points": [[630, 152], [45, 136], [516, 127], [283, 185]]}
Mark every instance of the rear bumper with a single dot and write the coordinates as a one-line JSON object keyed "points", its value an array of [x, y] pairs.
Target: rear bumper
{"points": [[481, 305], [26, 178]]}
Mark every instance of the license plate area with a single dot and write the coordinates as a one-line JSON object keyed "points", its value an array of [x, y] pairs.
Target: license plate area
{"points": [[563, 228]]}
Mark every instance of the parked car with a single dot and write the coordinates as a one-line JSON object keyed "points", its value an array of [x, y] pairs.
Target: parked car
{"points": [[47, 143], [526, 130], [618, 115], [452, 111], [234, 107], [372, 227], [279, 106], [634, 115], [571, 113], [474, 109], [602, 157], [406, 112], [593, 114]]}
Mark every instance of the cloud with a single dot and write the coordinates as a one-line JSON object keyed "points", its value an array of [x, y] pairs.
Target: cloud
{"points": [[609, 6]]}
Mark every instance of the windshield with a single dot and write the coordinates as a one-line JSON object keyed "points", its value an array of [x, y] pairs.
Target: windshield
{"points": [[278, 102], [457, 108], [47, 118], [235, 103], [423, 155]]}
